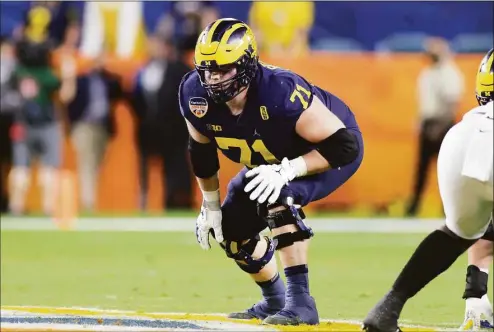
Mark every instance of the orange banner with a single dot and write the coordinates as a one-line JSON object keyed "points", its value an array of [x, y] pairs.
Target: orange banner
{"points": [[381, 91]]}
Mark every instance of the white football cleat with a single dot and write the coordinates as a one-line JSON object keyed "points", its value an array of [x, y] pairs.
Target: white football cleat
{"points": [[478, 315]]}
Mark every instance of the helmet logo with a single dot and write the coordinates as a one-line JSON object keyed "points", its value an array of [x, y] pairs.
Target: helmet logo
{"points": [[198, 106]]}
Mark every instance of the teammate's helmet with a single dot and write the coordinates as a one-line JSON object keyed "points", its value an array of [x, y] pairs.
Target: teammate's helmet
{"points": [[225, 44], [484, 84]]}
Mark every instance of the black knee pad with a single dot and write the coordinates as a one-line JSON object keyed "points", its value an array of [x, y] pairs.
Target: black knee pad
{"points": [[289, 216], [243, 252]]}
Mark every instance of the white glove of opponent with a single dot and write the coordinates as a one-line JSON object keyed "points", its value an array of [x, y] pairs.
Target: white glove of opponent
{"points": [[209, 218], [269, 179]]}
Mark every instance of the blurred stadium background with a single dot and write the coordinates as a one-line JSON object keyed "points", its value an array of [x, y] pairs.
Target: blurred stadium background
{"points": [[114, 154]]}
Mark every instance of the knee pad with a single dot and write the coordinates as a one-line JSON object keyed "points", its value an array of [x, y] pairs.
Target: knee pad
{"points": [[290, 215], [243, 252]]}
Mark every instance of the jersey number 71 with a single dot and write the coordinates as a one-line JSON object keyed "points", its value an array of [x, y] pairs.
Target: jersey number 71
{"points": [[297, 93], [225, 143]]}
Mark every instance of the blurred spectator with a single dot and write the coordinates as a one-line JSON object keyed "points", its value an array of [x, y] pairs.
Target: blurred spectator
{"points": [[161, 130], [185, 21], [440, 89], [47, 21], [10, 102], [36, 129], [91, 111], [71, 40], [113, 26], [282, 29]]}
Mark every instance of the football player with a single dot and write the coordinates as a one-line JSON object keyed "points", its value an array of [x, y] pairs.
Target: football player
{"points": [[465, 167], [298, 143]]}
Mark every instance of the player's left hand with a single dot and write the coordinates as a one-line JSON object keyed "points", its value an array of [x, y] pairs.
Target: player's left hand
{"points": [[268, 181]]}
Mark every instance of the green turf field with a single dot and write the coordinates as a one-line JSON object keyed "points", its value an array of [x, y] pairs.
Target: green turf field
{"points": [[168, 272]]}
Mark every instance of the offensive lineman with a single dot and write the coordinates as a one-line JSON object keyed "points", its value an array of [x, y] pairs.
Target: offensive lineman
{"points": [[259, 115], [465, 175]]}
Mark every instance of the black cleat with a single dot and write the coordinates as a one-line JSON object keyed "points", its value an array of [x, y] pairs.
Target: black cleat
{"points": [[283, 320], [370, 328], [245, 315], [261, 309], [300, 310], [384, 316]]}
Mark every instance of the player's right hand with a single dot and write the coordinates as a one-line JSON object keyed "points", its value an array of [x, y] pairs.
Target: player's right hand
{"points": [[209, 219]]}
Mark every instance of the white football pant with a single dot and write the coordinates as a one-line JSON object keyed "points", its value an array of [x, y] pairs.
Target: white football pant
{"points": [[465, 174]]}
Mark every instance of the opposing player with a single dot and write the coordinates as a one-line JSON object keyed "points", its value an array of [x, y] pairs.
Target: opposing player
{"points": [[465, 174], [298, 143], [478, 308]]}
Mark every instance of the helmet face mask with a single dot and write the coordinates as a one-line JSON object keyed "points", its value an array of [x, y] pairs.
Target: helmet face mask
{"points": [[226, 45], [484, 85], [482, 100], [228, 89]]}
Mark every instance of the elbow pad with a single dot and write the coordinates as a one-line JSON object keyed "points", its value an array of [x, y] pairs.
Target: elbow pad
{"points": [[339, 149], [204, 159]]}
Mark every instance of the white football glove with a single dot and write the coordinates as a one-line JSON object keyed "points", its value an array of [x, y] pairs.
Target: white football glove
{"points": [[269, 179], [209, 219]]}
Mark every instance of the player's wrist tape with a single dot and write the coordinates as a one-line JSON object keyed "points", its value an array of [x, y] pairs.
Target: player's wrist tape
{"points": [[299, 166], [204, 159], [211, 199], [211, 196]]}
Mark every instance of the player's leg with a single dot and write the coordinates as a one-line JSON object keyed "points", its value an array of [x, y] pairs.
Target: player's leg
{"points": [[467, 212], [292, 236], [478, 309], [254, 254]]}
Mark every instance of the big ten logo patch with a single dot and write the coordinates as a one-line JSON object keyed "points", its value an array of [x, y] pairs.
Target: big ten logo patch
{"points": [[264, 112], [215, 128], [198, 106]]}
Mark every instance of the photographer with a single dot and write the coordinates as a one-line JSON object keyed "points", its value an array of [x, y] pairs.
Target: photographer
{"points": [[36, 130]]}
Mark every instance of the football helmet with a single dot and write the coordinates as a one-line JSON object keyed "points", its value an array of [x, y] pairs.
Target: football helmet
{"points": [[484, 85], [225, 44]]}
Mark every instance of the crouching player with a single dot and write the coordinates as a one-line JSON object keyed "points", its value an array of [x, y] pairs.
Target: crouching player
{"points": [[465, 175], [259, 115]]}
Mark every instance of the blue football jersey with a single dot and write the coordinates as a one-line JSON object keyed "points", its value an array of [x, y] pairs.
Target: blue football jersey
{"points": [[264, 133]]}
